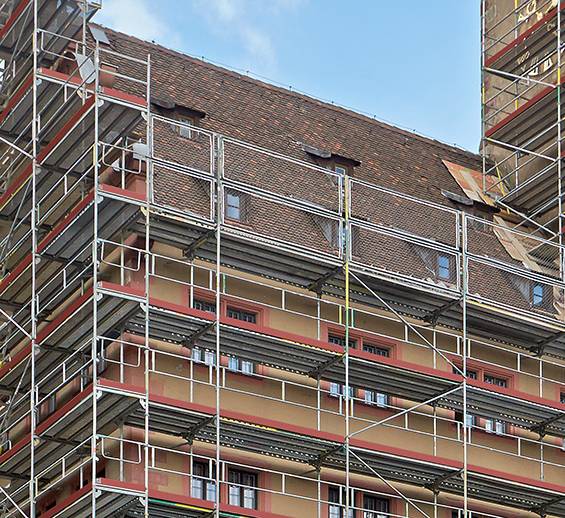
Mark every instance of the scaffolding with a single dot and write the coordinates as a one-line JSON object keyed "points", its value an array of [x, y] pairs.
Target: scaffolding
{"points": [[123, 367]]}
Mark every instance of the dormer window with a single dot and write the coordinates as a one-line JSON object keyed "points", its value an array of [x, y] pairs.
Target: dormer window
{"points": [[443, 267], [234, 209], [184, 128]]}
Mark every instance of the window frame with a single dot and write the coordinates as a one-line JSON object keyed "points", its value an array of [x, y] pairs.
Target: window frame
{"points": [[206, 492], [240, 490]]}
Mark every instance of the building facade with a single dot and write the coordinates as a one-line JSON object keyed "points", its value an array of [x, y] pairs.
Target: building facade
{"points": [[222, 298]]}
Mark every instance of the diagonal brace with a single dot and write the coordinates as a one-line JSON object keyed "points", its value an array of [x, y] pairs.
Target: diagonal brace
{"points": [[435, 485], [433, 318], [191, 433], [408, 410], [541, 427], [191, 340], [318, 371], [403, 320], [318, 284], [191, 250], [320, 459]]}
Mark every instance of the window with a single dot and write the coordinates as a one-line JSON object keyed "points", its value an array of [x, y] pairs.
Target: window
{"points": [[209, 357], [562, 397], [184, 129], [209, 307], [340, 340], [233, 206], [241, 491], [493, 380], [380, 506], [371, 397], [200, 487], [336, 499], [337, 390], [374, 349], [542, 296], [443, 267], [237, 365], [239, 314], [376, 398]]}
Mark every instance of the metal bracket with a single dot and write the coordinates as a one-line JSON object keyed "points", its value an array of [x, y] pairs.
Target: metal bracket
{"points": [[190, 252], [190, 435], [315, 373], [435, 485], [432, 318], [191, 340], [318, 284], [540, 429], [539, 348], [317, 463]]}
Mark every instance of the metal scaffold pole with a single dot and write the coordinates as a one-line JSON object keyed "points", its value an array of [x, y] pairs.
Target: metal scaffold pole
{"points": [[219, 218], [96, 264], [346, 251], [35, 259]]}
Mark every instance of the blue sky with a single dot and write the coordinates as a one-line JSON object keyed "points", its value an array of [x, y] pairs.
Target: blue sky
{"points": [[412, 63]]}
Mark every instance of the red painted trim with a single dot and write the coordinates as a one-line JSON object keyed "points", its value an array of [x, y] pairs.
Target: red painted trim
{"points": [[523, 108], [522, 37], [50, 420], [180, 499], [126, 290], [63, 316], [15, 186], [120, 386], [15, 98], [517, 394], [66, 128], [116, 484], [122, 192], [124, 97], [14, 17], [65, 409], [24, 353], [67, 502], [14, 449], [505, 475], [413, 367], [59, 137], [59, 75], [14, 274]]}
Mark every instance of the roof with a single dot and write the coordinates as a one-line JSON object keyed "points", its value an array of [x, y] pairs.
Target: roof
{"points": [[283, 121]]}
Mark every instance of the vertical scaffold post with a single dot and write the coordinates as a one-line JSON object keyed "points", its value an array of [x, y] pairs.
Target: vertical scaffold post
{"points": [[347, 234], [464, 291], [35, 256], [219, 150], [148, 263], [95, 263]]}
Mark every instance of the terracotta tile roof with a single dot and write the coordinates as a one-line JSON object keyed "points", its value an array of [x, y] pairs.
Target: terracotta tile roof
{"points": [[281, 120]]}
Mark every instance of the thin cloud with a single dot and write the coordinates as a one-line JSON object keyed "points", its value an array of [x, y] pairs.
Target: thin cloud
{"points": [[240, 20], [136, 18]]}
